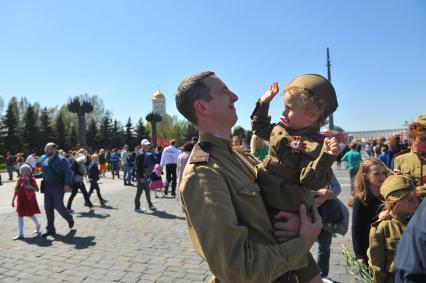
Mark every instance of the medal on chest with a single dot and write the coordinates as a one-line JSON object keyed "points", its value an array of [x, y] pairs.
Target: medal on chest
{"points": [[297, 144]]}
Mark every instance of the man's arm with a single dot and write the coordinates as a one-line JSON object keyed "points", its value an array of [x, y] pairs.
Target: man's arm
{"points": [[223, 241]]}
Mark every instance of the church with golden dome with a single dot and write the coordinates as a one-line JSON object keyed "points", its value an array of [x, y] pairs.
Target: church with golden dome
{"points": [[159, 103]]}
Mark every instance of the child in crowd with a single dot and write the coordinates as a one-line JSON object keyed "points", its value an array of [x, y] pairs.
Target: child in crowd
{"points": [[366, 204], [26, 204], [156, 183], [94, 178], [299, 158], [400, 201]]}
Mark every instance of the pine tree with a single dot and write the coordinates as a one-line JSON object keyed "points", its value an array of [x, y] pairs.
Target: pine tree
{"points": [[73, 136], [46, 131], [141, 131], [60, 138], [105, 131], [129, 136], [92, 132], [31, 133], [12, 139], [116, 135]]}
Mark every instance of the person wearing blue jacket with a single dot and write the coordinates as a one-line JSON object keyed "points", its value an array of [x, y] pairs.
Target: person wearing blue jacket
{"points": [[410, 258], [57, 179]]}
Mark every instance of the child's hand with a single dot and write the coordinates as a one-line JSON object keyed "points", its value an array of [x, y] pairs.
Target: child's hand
{"points": [[385, 215], [270, 94], [331, 146]]}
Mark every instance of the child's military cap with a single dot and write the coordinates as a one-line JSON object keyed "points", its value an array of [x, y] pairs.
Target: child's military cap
{"points": [[395, 183], [319, 86]]}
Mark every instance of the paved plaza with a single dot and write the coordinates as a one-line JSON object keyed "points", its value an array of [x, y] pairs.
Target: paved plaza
{"points": [[116, 244]]}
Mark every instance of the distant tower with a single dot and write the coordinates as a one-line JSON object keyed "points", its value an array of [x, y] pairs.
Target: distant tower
{"points": [[330, 118], [159, 103]]}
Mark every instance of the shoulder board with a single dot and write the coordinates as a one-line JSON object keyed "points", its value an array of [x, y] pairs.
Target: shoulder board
{"points": [[200, 153], [403, 152]]}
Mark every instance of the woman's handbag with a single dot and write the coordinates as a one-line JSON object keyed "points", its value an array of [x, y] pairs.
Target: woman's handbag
{"points": [[335, 216]]}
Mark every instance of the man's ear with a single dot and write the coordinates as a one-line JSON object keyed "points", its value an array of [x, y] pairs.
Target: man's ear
{"points": [[201, 106]]}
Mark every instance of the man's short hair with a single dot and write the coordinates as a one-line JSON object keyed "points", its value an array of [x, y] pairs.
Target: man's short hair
{"points": [[189, 90]]}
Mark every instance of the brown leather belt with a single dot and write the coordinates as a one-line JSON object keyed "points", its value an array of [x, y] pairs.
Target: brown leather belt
{"points": [[277, 169]]}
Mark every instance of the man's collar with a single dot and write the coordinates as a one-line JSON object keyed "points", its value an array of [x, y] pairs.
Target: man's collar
{"points": [[215, 140]]}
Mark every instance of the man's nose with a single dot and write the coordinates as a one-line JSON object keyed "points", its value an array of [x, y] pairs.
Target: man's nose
{"points": [[234, 97]]}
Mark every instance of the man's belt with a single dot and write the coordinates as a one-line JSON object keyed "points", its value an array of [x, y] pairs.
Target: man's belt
{"points": [[275, 168]]}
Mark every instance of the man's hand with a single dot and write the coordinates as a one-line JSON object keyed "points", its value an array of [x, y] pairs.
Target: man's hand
{"points": [[331, 146], [13, 203], [270, 94], [67, 189], [309, 230], [286, 226]]}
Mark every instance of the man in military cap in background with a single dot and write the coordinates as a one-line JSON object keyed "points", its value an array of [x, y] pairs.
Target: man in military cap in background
{"points": [[227, 218], [413, 161]]}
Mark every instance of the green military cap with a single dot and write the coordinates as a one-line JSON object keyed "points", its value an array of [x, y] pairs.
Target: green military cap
{"points": [[421, 120], [318, 86], [395, 183]]}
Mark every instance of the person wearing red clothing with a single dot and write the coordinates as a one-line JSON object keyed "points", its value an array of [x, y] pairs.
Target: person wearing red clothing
{"points": [[26, 204]]}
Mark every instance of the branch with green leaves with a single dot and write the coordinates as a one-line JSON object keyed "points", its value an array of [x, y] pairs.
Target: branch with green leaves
{"points": [[358, 270]]}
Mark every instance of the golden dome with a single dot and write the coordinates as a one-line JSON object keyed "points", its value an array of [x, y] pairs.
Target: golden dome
{"points": [[158, 96]]}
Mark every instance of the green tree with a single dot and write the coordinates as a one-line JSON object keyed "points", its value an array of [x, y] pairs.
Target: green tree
{"points": [[116, 135], [141, 131], [105, 131], [92, 135], [129, 135], [73, 137], [31, 133], [60, 138], [12, 138], [46, 131]]}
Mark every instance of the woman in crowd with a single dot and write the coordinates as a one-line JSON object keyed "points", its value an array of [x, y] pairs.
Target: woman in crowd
{"points": [[366, 204], [78, 167]]}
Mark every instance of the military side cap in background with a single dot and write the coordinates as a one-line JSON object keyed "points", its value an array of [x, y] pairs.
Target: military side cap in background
{"points": [[421, 120], [318, 86], [395, 183]]}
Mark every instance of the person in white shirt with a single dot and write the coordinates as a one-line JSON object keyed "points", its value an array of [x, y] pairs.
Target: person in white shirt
{"points": [[169, 159], [31, 160]]}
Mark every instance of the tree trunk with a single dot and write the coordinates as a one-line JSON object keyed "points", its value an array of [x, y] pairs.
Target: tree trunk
{"points": [[82, 140]]}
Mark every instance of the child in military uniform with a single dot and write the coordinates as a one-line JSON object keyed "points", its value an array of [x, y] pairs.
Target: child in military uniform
{"points": [[400, 202], [299, 158]]}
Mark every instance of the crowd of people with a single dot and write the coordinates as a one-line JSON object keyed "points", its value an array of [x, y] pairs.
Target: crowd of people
{"points": [[254, 209], [70, 172]]}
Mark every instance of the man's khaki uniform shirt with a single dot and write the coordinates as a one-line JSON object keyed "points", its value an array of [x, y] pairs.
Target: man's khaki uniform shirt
{"points": [[413, 164], [227, 219]]}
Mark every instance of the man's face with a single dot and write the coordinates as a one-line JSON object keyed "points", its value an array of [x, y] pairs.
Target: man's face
{"points": [[49, 150], [221, 108], [419, 143], [296, 116], [145, 147]]}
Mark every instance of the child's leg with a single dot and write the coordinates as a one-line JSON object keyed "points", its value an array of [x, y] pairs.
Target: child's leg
{"points": [[21, 226], [310, 273], [34, 218]]}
